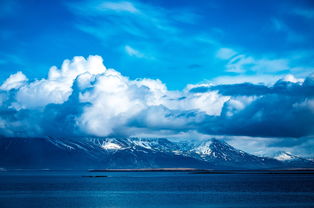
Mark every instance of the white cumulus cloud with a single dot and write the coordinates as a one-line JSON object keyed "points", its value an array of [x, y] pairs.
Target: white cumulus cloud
{"points": [[14, 81], [83, 97]]}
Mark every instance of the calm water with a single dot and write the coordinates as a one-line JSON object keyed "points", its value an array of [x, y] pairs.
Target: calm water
{"points": [[69, 189]]}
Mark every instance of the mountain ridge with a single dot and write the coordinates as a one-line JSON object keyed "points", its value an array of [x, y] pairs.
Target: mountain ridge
{"points": [[96, 152]]}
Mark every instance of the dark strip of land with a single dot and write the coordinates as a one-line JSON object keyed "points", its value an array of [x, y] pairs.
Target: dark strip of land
{"points": [[208, 171], [149, 170], [97, 176], [255, 172]]}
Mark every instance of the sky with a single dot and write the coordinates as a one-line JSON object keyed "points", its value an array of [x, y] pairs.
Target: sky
{"points": [[241, 70]]}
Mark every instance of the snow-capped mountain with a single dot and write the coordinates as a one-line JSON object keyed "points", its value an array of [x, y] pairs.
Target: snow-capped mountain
{"points": [[292, 160], [83, 153], [285, 156], [222, 154]]}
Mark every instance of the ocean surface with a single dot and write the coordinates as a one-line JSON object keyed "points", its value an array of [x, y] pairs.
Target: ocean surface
{"points": [[72, 189]]}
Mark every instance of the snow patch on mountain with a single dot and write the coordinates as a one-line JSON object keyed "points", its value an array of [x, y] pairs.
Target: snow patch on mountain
{"points": [[141, 143], [203, 149], [111, 146], [285, 156], [140, 152], [60, 144]]}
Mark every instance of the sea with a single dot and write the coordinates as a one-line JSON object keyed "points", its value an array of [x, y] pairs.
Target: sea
{"points": [[84, 189]]}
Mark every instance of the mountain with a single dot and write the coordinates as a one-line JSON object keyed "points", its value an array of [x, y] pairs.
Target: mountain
{"points": [[286, 156], [219, 153], [85, 153], [100, 153], [293, 160]]}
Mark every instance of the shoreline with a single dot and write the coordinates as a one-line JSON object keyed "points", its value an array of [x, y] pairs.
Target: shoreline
{"points": [[183, 170], [211, 171]]}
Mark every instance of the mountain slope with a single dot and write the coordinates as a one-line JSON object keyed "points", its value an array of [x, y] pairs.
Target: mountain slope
{"points": [[293, 161], [91, 153], [222, 154], [84, 153]]}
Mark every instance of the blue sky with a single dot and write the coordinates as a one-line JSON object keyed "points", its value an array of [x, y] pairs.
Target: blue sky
{"points": [[160, 39], [236, 70]]}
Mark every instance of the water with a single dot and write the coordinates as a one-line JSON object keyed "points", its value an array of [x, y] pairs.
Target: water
{"points": [[69, 189]]}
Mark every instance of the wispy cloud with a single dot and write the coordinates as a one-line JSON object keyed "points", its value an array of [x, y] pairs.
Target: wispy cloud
{"points": [[267, 79], [290, 34], [240, 63], [141, 28], [123, 6], [6, 58], [127, 18], [307, 13], [133, 52], [278, 25], [225, 53]]}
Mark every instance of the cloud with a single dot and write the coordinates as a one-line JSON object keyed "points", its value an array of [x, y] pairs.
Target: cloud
{"points": [[158, 34], [133, 52], [14, 81], [246, 89], [278, 25], [265, 79], [307, 13], [289, 85], [264, 117], [287, 32], [225, 53], [90, 99], [118, 7], [58, 86], [241, 63], [84, 98], [270, 65], [270, 146], [137, 20], [282, 110]]}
